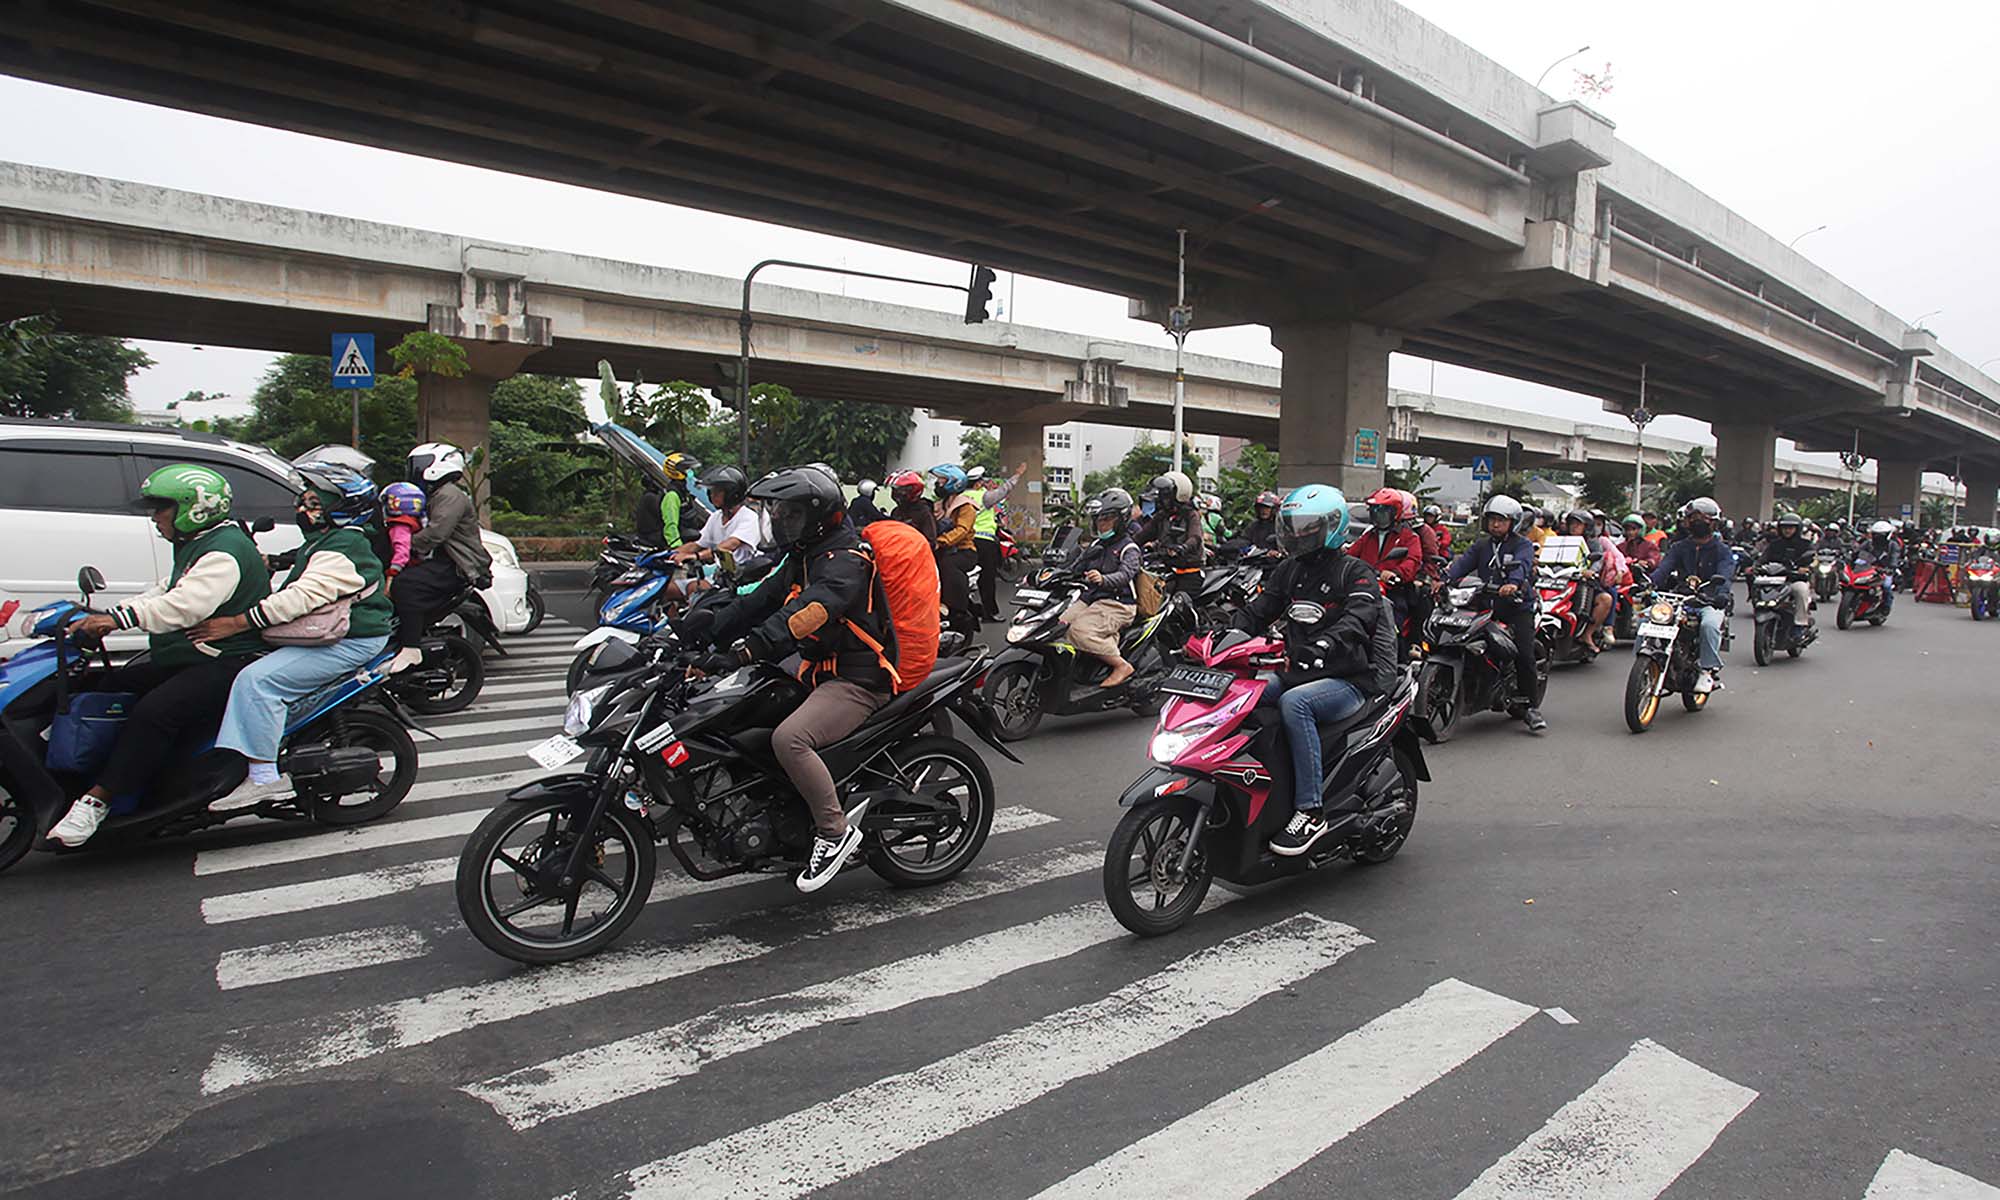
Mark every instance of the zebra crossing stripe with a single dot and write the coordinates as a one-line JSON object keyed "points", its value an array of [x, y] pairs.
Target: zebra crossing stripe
{"points": [[1282, 1121], [540, 687], [267, 1052], [316, 956], [1627, 1137], [840, 1138], [1904, 1176], [548, 704], [346, 841], [475, 754], [470, 786], [548, 721], [649, 1061]]}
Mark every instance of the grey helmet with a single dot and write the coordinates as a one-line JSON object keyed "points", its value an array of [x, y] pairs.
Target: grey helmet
{"points": [[1112, 501]]}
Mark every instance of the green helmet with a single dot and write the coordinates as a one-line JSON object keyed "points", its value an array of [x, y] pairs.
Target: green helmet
{"points": [[200, 495]]}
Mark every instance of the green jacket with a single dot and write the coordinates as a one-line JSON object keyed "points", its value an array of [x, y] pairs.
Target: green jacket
{"points": [[332, 563], [218, 573], [670, 517]]}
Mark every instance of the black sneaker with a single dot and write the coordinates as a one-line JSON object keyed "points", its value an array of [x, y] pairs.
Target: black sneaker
{"points": [[830, 854], [1534, 721], [1301, 834]]}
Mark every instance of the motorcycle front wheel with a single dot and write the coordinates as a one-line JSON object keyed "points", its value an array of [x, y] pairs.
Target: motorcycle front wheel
{"points": [[1143, 884], [512, 898], [17, 829], [1642, 700], [1844, 616], [1016, 697], [1439, 686], [1764, 643]]}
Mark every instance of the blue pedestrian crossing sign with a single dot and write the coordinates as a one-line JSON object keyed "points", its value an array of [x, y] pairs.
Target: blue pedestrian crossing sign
{"points": [[354, 360], [1482, 468]]}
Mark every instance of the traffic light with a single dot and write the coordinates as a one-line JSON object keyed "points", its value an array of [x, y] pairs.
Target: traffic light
{"points": [[979, 293]]}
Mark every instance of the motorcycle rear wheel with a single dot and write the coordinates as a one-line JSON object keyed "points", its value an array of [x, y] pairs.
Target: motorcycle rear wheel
{"points": [[1143, 854], [537, 609], [492, 860], [17, 830], [1642, 702], [1695, 701], [889, 855], [1016, 697], [1977, 606], [465, 674], [1385, 849], [385, 735]]}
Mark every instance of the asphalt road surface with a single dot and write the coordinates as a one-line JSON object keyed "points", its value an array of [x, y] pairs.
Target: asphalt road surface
{"points": [[1752, 953]]}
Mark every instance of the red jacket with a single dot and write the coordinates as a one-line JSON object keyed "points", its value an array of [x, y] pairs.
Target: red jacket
{"points": [[1373, 548]]}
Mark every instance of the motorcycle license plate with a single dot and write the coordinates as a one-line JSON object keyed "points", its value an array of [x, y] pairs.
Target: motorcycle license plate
{"points": [[555, 752], [1031, 596], [1192, 681], [1649, 629]]}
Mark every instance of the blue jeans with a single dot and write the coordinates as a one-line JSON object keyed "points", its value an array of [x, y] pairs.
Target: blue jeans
{"points": [[1304, 709], [1711, 638], [1888, 592], [255, 722]]}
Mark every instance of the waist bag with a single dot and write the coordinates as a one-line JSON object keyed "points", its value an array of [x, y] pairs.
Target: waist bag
{"points": [[83, 731], [323, 626]]}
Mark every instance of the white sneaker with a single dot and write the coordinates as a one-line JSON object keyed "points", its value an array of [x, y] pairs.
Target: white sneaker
{"points": [[249, 795], [80, 821], [1706, 682], [407, 657], [830, 854]]}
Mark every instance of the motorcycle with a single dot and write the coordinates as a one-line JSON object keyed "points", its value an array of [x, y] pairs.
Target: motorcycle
{"points": [[335, 744], [620, 553], [451, 673], [1982, 587], [1040, 674], [1205, 810], [1771, 602], [1667, 657], [1861, 582], [639, 608], [1228, 586], [1467, 663], [1560, 622], [1826, 573], [564, 865]]}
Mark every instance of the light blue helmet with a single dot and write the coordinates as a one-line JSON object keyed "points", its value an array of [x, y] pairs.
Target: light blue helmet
{"points": [[951, 478], [1311, 518]]}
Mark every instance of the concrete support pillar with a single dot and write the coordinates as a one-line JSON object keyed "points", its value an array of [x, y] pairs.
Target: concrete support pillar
{"points": [[1336, 381], [1746, 470], [1898, 485], [1981, 486], [459, 410], [1023, 442]]}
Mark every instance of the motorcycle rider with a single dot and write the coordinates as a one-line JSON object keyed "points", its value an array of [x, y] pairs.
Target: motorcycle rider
{"points": [[1171, 530], [863, 511], [425, 587], [1390, 511], [824, 603], [1110, 564], [1611, 570], [1639, 550], [1333, 664], [1505, 560], [1703, 555], [958, 515], [1261, 534], [1785, 542], [906, 489], [1888, 555], [217, 571]]}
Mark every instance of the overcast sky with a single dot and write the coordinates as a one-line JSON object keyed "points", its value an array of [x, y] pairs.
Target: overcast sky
{"points": [[1875, 122]]}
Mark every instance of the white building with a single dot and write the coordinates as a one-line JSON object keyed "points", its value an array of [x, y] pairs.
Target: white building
{"points": [[1069, 452]]}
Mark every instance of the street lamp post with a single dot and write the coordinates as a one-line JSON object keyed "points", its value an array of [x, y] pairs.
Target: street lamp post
{"points": [[1639, 418], [1802, 237], [1852, 460], [1179, 319], [1557, 63]]}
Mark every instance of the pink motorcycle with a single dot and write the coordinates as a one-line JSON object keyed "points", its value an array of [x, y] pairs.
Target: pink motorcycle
{"points": [[1221, 783]]}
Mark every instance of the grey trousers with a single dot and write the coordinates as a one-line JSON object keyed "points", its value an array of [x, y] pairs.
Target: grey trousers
{"points": [[833, 710]]}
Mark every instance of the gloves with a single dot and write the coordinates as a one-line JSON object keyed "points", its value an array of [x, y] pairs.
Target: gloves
{"points": [[696, 626], [718, 664]]}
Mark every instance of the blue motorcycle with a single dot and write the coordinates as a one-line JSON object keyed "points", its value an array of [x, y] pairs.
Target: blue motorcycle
{"points": [[347, 749], [638, 606]]}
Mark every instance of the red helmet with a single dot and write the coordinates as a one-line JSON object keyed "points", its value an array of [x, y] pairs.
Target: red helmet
{"points": [[1402, 503], [906, 486]]}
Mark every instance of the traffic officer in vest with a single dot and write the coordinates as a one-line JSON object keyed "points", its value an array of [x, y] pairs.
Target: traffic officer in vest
{"points": [[1110, 566], [986, 533], [182, 687]]}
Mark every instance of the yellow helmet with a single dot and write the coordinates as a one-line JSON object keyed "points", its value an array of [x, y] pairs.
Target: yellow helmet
{"points": [[679, 465]]}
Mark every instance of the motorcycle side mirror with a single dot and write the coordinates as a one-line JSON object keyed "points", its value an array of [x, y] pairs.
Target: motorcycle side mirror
{"points": [[89, 581]]}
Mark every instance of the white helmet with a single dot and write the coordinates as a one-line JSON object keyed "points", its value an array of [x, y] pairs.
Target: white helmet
{"points": [[435, 462], [1502, 506], [1881, 527]]}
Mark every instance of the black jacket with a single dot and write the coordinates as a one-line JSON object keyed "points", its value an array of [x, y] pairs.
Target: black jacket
{"points": [[1118, 560], [1175, 538], [1354, 640], [827, 604], [1792, 551], [919, 515], [1261, 535]]}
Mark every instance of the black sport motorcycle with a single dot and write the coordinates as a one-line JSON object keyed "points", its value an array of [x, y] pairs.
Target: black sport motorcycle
{"points": [[563, 866], [1777, 625], [1041, 674], [1468, 663]]}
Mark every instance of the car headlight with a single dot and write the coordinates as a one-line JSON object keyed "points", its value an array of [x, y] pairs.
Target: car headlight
{"points": [[582, 710]]}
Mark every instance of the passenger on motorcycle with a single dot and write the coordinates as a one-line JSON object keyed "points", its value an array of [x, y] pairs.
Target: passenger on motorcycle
{"points": [[182, 687], [825, 604], [1888, 554], [906, 489], [958, 517], [1390, 512], [1110, 565], [1171, 530], [1640, 551], [1436, 539], [1704, 559], [863, 511], [1335, 660], [1833, 537], [1611, 572], [448, 545], [1785, 542], [1505, 561]]}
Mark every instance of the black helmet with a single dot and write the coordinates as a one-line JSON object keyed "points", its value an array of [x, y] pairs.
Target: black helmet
{"points": [[1112, 501], [805, 504], [730, 481], [1788, 518]]}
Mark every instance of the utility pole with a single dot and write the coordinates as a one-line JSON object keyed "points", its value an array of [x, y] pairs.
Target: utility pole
{"points": [[1852, 460], [1639, 417], [1179, 320]]}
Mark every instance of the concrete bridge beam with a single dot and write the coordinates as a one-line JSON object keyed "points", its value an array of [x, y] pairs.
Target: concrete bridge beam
{"points": [[1336, 381], [1980, 490], [1746, 469], [1898, 485]]}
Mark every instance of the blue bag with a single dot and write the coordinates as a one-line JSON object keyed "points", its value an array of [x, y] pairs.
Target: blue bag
{"points": [[82, 733]]}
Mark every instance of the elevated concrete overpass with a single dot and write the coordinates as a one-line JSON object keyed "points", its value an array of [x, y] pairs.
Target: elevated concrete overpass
{"points": [[134, 260], [1350, 176]]}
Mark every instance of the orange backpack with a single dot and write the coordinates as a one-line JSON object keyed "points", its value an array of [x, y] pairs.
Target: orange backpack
{"points": [[908, 572]]}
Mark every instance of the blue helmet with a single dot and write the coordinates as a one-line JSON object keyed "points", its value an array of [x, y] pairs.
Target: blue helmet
{"points": [[951, 478], [1311, 518], [404, 500], [346, 496]]}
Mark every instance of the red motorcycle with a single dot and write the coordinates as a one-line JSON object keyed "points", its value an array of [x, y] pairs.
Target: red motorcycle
{"points": [[1564, 615], [1861, 582], [1010, 555], [1205, 812]]}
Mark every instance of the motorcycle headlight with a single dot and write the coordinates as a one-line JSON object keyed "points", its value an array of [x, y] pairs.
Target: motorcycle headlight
{"points": [[1661, 613], [1169, 744], [582, 710]]}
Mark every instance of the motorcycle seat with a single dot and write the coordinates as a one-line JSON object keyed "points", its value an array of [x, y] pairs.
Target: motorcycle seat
{"points": [[946, 672]]}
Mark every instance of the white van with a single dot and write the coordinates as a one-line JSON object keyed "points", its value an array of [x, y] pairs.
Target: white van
{"points": [[69, 495]]}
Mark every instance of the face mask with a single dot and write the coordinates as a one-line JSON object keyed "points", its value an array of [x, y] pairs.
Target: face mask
{"points": [[1700, 529], [1148, 507]]}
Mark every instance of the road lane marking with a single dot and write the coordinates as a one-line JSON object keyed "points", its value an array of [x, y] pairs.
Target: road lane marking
{"points": [[1277, 1124], [305, 957], [840, 1138], [549, 721], [345, 841], [322, 1040], [1904, 1176], [1627, 1137], [525, 687]]}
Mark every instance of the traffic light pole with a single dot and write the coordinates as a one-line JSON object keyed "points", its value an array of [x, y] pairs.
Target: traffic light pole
{"points": [[743, 329], [1179, 321]]}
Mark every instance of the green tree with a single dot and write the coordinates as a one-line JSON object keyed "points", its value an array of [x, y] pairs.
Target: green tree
{"points": [[65, 376], [1832, 506], [1684, 477], [296, 407], [537, 465], [979, 446], [1255, 471], [856, 439], [1605, 487], [1414, 479]]}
